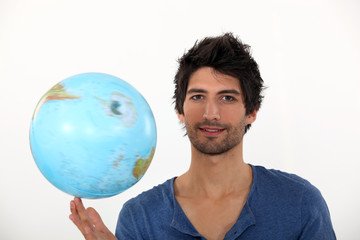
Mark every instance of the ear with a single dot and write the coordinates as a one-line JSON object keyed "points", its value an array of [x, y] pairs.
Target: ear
{"points": [[250, 118], [181, 117]]}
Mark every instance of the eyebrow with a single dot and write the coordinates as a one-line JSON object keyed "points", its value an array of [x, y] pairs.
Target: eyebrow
{"points": [[231, 91], [197, 90]]}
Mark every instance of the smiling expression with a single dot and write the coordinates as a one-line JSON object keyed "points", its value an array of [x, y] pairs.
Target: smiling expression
{"points": [[214, 112]]}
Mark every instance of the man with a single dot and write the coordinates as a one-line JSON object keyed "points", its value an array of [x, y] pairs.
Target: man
{"points": [[217, 96]]}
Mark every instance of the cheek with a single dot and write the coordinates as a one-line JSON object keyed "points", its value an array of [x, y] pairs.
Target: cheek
{"points": [[232, 116], [193, 112]]}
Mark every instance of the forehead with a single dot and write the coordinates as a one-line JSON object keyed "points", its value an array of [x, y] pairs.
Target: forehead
{"points": [[208, 79]]}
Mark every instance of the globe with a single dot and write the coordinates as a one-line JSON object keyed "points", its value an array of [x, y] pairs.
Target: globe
{"points": [[93, 135]]}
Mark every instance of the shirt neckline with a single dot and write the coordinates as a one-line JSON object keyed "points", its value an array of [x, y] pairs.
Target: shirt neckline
{"points": [[246, 218]]}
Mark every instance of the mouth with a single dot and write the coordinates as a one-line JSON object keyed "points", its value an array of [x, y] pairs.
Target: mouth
{"points": [[211, 131]]}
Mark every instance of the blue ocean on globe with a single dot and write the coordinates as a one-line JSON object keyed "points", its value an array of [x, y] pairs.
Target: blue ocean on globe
{"points": [[93, 135]]}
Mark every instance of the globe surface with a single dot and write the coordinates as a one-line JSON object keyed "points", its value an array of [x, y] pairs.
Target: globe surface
{"points": [[93, 135]]}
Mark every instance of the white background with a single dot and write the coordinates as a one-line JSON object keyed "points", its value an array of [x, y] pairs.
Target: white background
{"points": [[309, 57]]}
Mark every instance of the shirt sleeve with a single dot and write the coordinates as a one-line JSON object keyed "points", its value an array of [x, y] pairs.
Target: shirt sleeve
{"points": [[125, 228], [315, 216]]}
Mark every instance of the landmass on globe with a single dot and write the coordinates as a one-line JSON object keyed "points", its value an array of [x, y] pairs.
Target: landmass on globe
{"points": [[58, 92], [142, 164], [116, 163], [120, 106]]}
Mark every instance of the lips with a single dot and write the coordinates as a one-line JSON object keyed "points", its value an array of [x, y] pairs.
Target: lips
{"points": [[211, 131]]}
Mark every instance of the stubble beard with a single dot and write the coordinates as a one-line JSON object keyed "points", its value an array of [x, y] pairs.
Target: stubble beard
{"points": [[212, 145]]}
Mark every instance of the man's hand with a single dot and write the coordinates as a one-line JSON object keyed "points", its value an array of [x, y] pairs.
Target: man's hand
{"points": [[89, 222]]}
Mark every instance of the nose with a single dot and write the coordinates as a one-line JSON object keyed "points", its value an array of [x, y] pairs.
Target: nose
{"points": [[211, 111]]}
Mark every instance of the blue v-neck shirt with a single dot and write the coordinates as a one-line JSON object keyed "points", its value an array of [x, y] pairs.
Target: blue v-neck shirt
{"points": [[279, 206]]}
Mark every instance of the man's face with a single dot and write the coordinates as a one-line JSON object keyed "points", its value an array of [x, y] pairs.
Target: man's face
{"points": [[214, 112]]}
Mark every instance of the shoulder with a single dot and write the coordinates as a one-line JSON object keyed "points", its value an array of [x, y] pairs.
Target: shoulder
{"points": [[276, 180], [157, 195], [297, 198], [277, 175], [286, 193], [143, 214]]}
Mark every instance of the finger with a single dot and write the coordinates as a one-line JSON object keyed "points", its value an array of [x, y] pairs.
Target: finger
{"points": [[75, 218], [89, 234], [83, 215], [73, 208], [78, 223], [96, 220]]}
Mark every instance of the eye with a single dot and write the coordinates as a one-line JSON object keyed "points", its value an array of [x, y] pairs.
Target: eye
{"points": [[196, 97], [227, 98]]}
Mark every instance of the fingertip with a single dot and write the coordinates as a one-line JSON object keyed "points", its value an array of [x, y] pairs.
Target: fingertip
{"points": [[92, 212], [90, 209], [77, 201]]}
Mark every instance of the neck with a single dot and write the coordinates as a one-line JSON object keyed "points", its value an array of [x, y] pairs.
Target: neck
{"points": [[217, 175]]}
